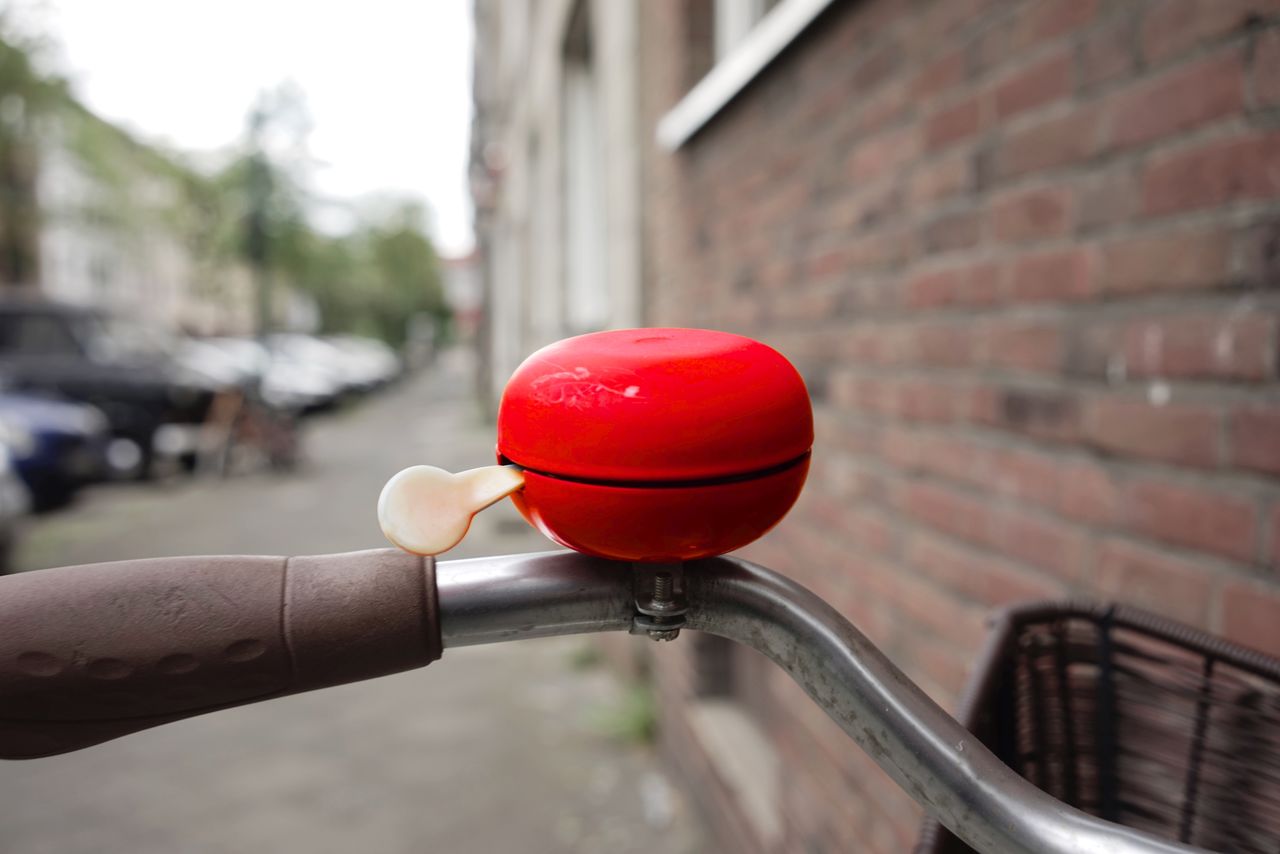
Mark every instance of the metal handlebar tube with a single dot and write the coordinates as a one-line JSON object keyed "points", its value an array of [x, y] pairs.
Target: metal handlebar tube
{"points": [[936, 761], [95, 652], [493, 599]]}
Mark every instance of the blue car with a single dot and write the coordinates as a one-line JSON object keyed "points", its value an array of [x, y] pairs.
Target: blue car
{"points": [[56, 446], [15, 501]]}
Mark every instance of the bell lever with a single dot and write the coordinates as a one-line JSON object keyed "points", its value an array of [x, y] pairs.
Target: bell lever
{"points": [[426, 510]]}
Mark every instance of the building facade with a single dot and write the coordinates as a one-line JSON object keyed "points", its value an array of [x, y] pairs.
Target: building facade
{"points": [[556, 173], [119, 230], [1025, 254]]}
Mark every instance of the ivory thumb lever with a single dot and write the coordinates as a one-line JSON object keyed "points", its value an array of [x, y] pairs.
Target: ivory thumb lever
{"points": [[426, 510]]}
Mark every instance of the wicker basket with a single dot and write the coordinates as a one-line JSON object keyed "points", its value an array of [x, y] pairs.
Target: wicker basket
{"points": [[1134, 719]]}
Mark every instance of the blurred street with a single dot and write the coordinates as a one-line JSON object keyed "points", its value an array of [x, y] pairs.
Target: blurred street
{"points": [[492, 749]]}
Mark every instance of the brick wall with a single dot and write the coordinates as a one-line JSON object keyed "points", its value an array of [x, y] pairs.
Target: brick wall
{"points": [[1026, 255]]}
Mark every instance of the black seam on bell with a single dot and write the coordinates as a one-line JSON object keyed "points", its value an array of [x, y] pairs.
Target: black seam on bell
{"points": [[666, 484]]}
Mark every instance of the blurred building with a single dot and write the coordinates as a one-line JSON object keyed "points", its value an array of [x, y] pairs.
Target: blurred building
{"points": [[1025, 253], [556, 172], [119, 230], [89, 215], [463, 293]]}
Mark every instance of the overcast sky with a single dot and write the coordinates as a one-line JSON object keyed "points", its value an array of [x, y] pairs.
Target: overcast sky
{"points": [[387, 82]]}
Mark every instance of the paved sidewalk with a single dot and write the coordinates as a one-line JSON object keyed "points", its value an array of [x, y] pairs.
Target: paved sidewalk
{"points": [[491, 749]]}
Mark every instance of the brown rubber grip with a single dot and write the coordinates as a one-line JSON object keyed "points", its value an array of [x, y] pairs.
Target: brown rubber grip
{"points": [[89, 653]]}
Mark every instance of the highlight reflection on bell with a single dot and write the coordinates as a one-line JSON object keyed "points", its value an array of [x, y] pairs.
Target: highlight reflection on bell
{"points": [[640, 445]]}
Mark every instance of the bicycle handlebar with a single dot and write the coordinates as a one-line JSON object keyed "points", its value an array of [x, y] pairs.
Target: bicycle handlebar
{"points": [[94, 652], [90, 653]]}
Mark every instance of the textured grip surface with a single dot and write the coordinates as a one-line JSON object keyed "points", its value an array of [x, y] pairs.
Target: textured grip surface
{"points": [[89, 653]]}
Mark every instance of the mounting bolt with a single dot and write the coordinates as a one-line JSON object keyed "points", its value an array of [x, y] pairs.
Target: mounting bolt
{"points": [[660, 613]]}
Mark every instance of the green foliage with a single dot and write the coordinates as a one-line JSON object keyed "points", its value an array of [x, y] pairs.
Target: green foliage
{"points": [[371, 280], [25, 96], [634, 719], [586, 656]]}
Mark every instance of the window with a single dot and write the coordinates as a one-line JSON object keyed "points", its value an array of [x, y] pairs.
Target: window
{"points": [[749, 34], [36, 335], [734, 19], [586, 297]]}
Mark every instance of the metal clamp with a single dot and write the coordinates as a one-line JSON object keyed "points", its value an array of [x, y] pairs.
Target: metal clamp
{"points": [[660, 601]]}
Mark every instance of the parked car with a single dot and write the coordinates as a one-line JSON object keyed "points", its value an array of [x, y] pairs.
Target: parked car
{"points": [[15, 501], [127, 371], [285, 379], [316, 354], [370, 361], [56, 446]]}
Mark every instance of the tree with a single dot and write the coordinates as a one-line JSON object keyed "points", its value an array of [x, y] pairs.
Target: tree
{"points": [[24, 96]]}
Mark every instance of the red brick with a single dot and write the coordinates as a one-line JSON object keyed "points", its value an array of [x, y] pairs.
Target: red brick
{"points": [[870, 531], [1198, 518], [958, 459], [909, 399], [940, 75], [1024, 475], [986, 579], [1034, 539], [1089, 494], [1050, 414], [1034, 346], [901, 448], [880, 344], [1041, 542], [880, 110], [804, 305], [1166, 261], [1266, 70], [941, 178], [1251, 615], [1035, 214], [964, 284], [1107, 197], [952, 231], [994, 47], [1056, 275], [1255, 438], [1036, 85], [1107, 54], [925, 604], [953, 123], [1050, 143], [1213, 173], [875, 66], [959, 514], [1047, 20], [1150, 579], [883, 154], [1220, 345], [1258, 253], [943, 664], [1179, 99], [1174, 26], [1274, 554], [930, 400], [1183, 434], [945, 344]]}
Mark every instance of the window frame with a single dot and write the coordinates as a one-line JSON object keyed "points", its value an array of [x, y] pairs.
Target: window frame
{"points": [[730, 75]]}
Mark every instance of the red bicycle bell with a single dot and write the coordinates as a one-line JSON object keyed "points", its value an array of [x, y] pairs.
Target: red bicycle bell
{"points": [[656, 444], [649, 445]]}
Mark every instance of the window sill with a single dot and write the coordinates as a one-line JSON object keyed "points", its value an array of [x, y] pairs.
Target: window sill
{"points": [[733, 72], [744, 760]]}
